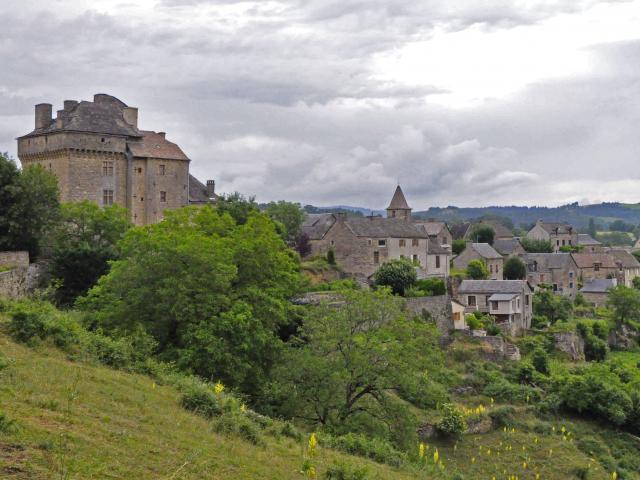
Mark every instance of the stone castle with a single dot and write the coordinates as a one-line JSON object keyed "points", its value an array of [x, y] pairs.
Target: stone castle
{"points": [[98, 153]]}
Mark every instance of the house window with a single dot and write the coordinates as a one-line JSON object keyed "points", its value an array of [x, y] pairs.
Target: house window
{"points": [[596, 267], [376, 258], [526, 300], [494, 305], [393, 213], [107, 197], [415, 242], [456, 316], [490, 268], [570, 274], [140, 170], [570, 284], [563, 244], [163, 196], [518, 303], [369, 241], [332, 242], [414, 258], [555, 287], [402, 242], [161, 170], [107, 168], [437, 261], [471, 300], [542, 278], [382, 243], [558, 243]]}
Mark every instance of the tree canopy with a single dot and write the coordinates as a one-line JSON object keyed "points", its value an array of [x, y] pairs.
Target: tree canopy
{"points": [[477, 270], [289, 215], [514, 269], [483, 234], [399, 275], [536, 246], [211, 292], [29, 206], [84, 241]]}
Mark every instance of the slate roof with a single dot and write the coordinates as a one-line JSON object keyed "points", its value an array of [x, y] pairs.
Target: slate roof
{"points": [[506, 246], [587, 260], [625, 258], [485, 250], [155, 145], [598, 285], [548, 261], [105, 116], [197, 191], [492, 286], [502, 297], [379, 227], [316, 225], [556, 227], [587, 240], [460, 230], [435, 249], [432, 227], [398, 201], [463, 230]]}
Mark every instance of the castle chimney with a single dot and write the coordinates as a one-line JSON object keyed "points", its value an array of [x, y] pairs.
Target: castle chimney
{"points": [[211, 188], [130, 115], [59, 117], [163, 134], [43, 115], [69, 104]]}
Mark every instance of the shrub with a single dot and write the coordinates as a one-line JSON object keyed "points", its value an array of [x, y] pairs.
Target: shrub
{"points": [[345, 471], [452, 423], [237, 424], [473, 322], [6, 424], [595, 349], [503, 415], [540, 360], [435, 286], [591, 446], [459, 246], [289, 430], [493, 329], [581, 472], [477, 270], [539, 321], [423, 392], [400, 275], [601, 328], [373, 448], [200, 399], [514, 269], [505, 391]]}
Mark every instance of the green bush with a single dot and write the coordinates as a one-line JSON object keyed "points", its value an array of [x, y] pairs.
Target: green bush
{"points": [[373, 448], [503, 415], [591, 446], [540, 360], [477, 270], [289, 430], [452, 423], [345, 471], [399, 275], [238, 424], [595, 349], [505, 391], [423, 392], [6, 424], [435, 286], [473, 322], [539, 321], [199, 398]]}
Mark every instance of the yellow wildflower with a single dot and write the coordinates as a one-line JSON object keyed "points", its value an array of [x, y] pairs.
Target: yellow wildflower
{"points": [[473, 459], [243, 408], [313, 444], [563, 429], [614, 476], [524, 465], [311, 472], [421, 450], [153, 385], [218, 387], [436, 456]]}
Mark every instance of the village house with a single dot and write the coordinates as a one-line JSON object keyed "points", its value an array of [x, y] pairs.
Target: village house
{"points": [[484, 252], [559, 234], [509, 301], [438, 232], [559, 270], [509, 247], [588, 244], [597, 291], [618, 264], [465, 230], [98, 153], [362, 244]]}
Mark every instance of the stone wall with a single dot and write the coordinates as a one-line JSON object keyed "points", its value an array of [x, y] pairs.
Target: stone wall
{"points": [[437, 307], [14, 259], [570, 343], [13, 283]]}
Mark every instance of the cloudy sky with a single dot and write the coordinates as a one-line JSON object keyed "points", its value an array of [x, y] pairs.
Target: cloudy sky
{"points": [[464, 102]]}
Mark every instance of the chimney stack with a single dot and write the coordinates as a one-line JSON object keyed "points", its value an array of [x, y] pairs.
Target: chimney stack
{"points": [[162, 134], [130, 115], [69, 104], [211, 188], [43, 115]]}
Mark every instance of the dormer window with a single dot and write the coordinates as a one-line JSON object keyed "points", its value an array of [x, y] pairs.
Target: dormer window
{"points": [[382, 243]]}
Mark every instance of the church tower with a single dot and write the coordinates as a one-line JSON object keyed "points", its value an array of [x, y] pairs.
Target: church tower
{"points": [[398, 208]]}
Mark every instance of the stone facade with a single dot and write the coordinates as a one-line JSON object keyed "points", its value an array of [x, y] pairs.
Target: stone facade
{"points": [[14, 259], [617, 264], [98, 153], [438, 308], [556, 269], [570, 343], [559, 234], [484, 252], [14, 274]]}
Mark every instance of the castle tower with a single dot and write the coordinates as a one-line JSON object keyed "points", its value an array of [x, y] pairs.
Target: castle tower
{"points": [[399, 208]]}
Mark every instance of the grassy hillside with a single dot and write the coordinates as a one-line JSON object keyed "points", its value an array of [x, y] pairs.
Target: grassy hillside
{"points": [[75, 420]]}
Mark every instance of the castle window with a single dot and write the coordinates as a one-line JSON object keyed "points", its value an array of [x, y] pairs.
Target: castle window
{"points": [[107, 197], [107, 168], [163, 196], [162, 169]]}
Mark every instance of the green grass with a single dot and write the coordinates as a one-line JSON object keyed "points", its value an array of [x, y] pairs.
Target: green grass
{"points": [[6, 268]]}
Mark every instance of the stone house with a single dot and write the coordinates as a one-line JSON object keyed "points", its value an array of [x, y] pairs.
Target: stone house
{"points": [[465, 230], [559, 234], [484, 252], [362, 244], [509, 247], [438, 232], [597, 291], [509, 301], [98, 153], [618, 264], [556, 269], [589, 244]]}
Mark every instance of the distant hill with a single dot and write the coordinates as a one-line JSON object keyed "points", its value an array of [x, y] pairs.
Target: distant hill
{"points": [[577, 215]]}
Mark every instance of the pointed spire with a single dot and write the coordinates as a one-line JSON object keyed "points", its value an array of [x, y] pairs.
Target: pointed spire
{"points": [[398, 201]]}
